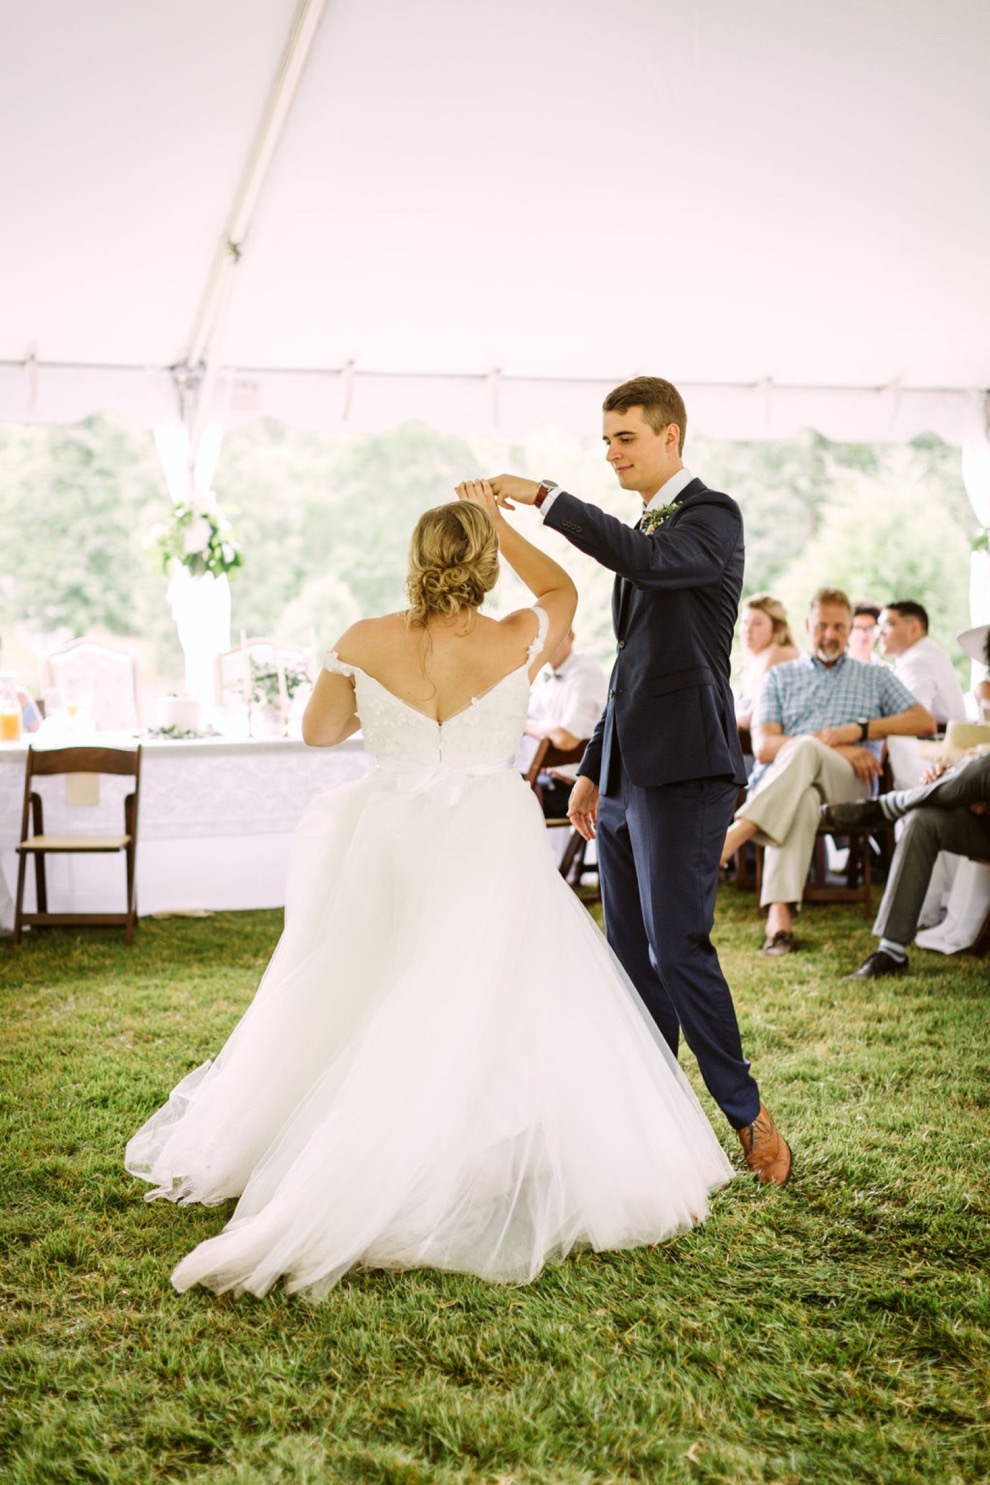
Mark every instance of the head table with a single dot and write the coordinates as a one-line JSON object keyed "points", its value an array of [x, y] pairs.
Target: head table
{"points": [[216, 821]]}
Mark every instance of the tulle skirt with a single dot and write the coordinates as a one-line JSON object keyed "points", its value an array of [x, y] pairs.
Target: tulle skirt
{"points": [[444, 1066]]}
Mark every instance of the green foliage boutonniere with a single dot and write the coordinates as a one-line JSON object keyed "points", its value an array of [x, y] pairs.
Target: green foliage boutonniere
{"points": [[651, 519]]}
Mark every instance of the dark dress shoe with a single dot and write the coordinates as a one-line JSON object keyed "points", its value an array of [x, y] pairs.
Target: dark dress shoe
{"points": [[879, 965], [765, 1150], [863, 814], [781, 942]]}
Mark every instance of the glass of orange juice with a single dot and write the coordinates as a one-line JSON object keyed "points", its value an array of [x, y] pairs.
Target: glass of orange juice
{"points": [[10, 709]]}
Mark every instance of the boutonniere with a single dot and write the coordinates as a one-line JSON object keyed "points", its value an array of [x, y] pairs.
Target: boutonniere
{"points": [[651, 519]]}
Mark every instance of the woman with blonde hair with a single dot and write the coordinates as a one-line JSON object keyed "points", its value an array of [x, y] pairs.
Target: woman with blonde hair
{"points": [[766, 641], [444, 1066]]}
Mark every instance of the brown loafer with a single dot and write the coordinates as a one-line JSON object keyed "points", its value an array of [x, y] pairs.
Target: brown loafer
{"points": [[765, 1150], [781, 942]]}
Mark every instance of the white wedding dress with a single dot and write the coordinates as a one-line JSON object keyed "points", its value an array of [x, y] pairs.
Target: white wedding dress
{"points": [[444, 1065]]}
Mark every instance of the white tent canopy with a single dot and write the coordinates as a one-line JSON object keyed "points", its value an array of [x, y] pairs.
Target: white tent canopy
{"points": [[487, 212]]}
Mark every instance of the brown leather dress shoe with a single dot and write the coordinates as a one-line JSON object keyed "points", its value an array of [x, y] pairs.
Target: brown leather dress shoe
{"points": [[765, 1150]]}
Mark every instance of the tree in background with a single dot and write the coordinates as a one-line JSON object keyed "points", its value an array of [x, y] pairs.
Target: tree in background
{"points": [[324, 522], [76, 503]]}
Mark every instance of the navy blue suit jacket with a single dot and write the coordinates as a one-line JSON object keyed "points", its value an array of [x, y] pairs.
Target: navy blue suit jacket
{"points": [[674, 606]]}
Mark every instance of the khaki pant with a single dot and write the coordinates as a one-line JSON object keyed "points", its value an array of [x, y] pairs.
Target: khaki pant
{"points": [[786, 809]]}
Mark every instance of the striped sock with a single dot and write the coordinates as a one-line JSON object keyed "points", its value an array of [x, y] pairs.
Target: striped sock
{"points": [[896, 951], [894, 804]]}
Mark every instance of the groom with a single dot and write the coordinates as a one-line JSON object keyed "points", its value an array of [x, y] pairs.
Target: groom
{"points": [[661, 774]]}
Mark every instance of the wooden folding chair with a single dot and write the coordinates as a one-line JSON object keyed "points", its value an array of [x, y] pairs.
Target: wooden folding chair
{"points": [[546, 760], [36, 845]]}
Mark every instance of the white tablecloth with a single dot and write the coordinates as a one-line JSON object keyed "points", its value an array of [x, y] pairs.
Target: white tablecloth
{"points": [[216, 821]]}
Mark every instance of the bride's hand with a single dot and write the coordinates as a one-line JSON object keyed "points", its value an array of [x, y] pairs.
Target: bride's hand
{"points": [[478, 492]]}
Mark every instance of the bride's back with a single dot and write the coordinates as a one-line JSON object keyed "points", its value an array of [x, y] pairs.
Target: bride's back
{"points": [[442, 652], [441, 666]]}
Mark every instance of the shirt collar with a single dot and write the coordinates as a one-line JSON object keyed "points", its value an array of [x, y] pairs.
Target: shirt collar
{"points": [[822, 666], [670, 489]]}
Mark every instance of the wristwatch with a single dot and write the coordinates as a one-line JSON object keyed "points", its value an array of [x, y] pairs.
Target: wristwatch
{"points": [[863, 723], [546, 488]]}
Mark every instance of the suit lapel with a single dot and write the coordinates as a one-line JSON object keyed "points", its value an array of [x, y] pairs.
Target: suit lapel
{"points": [[622, 586]]}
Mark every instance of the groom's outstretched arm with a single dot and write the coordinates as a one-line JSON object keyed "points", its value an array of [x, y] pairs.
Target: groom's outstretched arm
{"points": [[690, 549]]}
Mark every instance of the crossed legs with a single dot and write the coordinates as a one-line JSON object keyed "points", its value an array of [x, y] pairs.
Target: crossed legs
{"points": [[783, 813]]}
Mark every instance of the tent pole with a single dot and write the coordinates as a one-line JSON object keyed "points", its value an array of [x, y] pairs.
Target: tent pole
{"points": [[207, 334]]}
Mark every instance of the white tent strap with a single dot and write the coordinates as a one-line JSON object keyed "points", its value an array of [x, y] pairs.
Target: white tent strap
{"points": [[348, 398]]}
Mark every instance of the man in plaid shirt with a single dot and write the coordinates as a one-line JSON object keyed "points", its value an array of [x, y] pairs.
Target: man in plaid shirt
{"points": [[818, 730]]}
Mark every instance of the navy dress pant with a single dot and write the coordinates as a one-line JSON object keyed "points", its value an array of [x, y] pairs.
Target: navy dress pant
{"points": [[658, 850]]}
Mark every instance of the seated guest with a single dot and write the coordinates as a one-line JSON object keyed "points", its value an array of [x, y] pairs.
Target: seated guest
{"points": [[30, 711], [863, 634], [919, 662], [951, 812], [766, 641], [818, 732], [976, 644], [567, 698]]}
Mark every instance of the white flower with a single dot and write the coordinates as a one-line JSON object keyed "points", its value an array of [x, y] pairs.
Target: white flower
{"points": [[196, 538]]}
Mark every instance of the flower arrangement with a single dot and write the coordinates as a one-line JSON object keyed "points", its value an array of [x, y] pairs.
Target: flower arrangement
{"points": [[265, 690], [197, 539], [651, 519]]}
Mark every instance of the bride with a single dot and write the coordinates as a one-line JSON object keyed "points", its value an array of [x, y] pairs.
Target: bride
{"points": [[444, 1064]]}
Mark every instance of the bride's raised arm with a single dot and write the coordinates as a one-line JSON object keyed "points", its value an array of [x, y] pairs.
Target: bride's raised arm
{"points": [[549, 584]]}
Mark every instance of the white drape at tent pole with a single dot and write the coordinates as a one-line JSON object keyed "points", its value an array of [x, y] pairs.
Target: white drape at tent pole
{"points": [[976, 477]]}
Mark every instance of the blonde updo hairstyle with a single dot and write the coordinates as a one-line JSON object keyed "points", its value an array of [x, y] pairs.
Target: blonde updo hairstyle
{"points": [[453, 561], [776, 613]]}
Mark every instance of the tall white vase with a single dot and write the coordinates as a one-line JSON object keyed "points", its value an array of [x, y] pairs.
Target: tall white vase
{"points": [[201, 610]]}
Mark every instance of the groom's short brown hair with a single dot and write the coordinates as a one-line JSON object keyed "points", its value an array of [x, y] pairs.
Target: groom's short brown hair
{"points": [[661, 403]]}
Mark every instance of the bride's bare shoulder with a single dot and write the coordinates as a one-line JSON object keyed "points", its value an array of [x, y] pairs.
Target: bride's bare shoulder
{"points": [[368, 637], [523, 622]]}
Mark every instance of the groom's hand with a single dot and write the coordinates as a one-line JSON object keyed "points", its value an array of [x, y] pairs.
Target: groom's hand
{"points": [[509, 487], [582, 811]]}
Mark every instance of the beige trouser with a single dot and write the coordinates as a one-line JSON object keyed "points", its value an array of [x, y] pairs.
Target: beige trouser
{"points": [[786, 810]]}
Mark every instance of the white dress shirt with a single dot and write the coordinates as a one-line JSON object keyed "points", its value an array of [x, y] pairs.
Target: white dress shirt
{"points": [[929, 675], [571, 697]]}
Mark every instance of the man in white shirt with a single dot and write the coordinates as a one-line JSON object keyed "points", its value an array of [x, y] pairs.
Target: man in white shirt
{"points": [[863, 634], [919, 662], [566, 701]]}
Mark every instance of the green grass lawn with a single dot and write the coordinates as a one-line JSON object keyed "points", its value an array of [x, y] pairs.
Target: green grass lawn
{"points": [[836, 1331]]}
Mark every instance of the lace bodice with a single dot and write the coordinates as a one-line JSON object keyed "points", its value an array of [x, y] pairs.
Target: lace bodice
{"points": [[485, 734]]}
